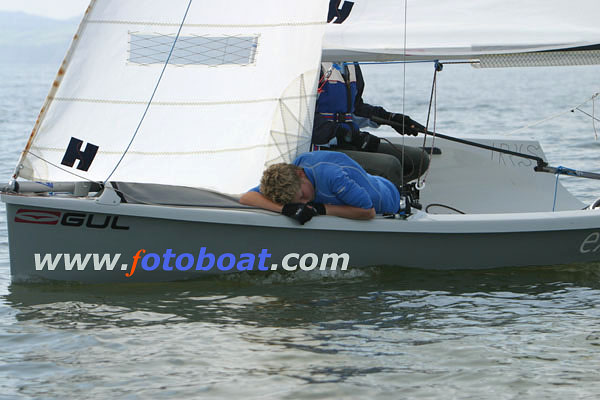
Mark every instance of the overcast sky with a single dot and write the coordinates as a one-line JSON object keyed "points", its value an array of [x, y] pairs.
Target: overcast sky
{"points": [[60, 9]]}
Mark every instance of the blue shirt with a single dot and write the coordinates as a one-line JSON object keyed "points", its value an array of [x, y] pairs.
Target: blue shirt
{"points": [[340, 180]]}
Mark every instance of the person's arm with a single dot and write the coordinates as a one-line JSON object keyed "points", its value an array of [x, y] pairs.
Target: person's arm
{"points": [[350, 212], [357, 202], [301, 212], [361, 108], [256, 199]]}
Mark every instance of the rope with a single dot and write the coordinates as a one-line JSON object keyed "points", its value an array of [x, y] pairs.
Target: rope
{"points": [[153, 93], [558, 171], [323, 80], [432, 102], [571, 109], [592, 115], [443, 206]]}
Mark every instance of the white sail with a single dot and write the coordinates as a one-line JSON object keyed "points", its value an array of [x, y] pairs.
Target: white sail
{"points": [[488, 30], [238, 93]]}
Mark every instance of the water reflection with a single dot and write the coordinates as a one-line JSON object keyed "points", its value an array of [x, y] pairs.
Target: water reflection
{"points": [[381, 296], [356, 336]]}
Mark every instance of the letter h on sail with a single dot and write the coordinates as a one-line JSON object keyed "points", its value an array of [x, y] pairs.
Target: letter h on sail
{"points": [[74, 153], [341, 14]]}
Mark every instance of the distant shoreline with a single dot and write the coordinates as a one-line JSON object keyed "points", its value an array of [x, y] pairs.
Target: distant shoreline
{"points": [[26, 38]]}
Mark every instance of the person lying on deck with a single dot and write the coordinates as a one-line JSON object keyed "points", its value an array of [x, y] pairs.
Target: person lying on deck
{"points": [[323, 182]]}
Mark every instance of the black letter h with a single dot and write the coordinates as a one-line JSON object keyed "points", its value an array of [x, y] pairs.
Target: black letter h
{"points": [[74, 153]]}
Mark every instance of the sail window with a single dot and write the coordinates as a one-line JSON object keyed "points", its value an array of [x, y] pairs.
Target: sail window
{"points": [[148, 49]]}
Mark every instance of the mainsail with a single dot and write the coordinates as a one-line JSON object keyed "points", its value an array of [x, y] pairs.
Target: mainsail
{"points": [[494, 33], [237, 94], [239, 88]]}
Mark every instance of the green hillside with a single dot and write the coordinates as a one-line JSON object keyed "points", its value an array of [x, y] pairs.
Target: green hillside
{"points": [[33, 39]]}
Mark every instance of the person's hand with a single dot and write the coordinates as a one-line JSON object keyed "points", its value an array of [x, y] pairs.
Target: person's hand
{"points": [[317, 206], [368, 142], [364, 141], [347, 133], [300, 212], [411, 127]]}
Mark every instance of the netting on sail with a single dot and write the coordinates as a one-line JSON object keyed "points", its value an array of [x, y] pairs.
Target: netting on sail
{"points": [[151, 48]]}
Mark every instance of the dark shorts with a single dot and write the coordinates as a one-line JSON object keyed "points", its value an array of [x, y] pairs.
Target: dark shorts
{"points": [[389, 160]]}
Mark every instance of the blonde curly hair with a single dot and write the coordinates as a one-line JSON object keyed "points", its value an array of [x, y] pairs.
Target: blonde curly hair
{"points": [[280, 183]]}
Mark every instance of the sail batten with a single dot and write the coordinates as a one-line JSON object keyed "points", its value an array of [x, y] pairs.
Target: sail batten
{"points": [[224, 26]]}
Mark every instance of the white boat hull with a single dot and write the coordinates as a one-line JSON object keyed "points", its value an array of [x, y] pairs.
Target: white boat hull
{"points": [[508, 222], [422, 241]]}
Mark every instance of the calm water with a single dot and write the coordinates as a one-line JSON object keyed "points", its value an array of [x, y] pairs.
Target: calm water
{"points": [[378, 333]]}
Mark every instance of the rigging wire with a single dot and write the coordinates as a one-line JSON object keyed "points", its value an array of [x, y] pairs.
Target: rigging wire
{"points": [[592, 115], [102, 184], [116, 190], [432, 103], [123, 193], [404, 88], [471, 62], [588, 114], [570, 109], [153, 93], [63, 169]]}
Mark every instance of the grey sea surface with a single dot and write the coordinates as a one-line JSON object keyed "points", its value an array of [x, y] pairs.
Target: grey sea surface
{"points": [[382, 333]]}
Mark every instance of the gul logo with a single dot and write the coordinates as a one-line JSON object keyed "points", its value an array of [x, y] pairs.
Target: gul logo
{"points": [[94, 221], [37, 216]]}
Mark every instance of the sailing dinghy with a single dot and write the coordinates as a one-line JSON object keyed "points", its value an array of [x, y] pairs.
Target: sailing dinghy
{"points": [[163, 110]]}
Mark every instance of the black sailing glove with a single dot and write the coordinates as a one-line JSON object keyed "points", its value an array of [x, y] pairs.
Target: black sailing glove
{"points": [[368, 142], [404, 125], [320, 208], [347, 134], [411, 127], [300, 212]]}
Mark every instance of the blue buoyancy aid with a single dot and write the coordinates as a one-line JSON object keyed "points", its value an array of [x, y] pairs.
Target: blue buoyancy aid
{"points": [[337, 92]]}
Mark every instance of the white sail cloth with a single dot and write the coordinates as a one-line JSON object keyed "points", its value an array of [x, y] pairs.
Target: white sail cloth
{"points": [[461, 29], [239, 90], [238, 93]]}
